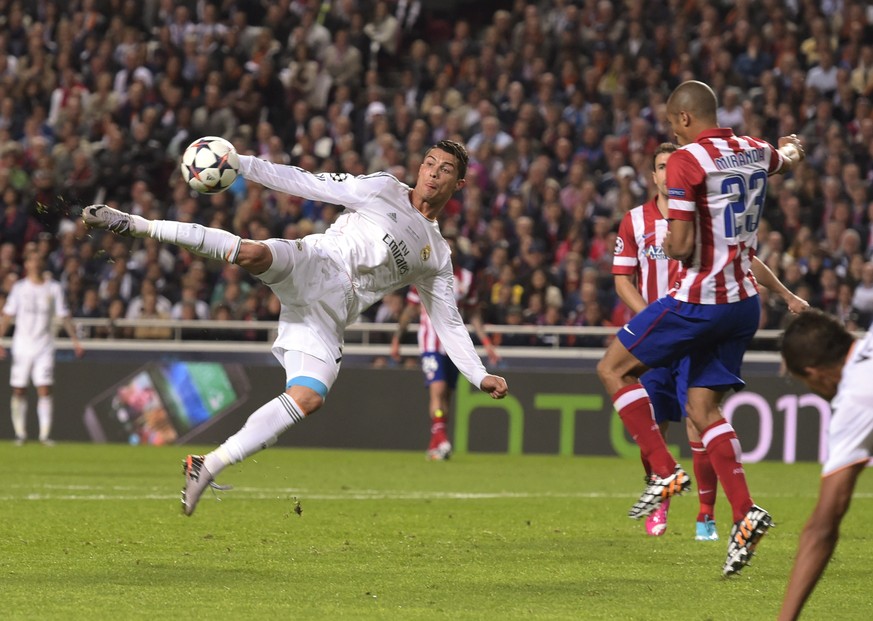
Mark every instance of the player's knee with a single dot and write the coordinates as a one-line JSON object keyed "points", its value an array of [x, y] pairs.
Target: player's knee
{"points": [[254, 257], [605, 369], [308, 400]]}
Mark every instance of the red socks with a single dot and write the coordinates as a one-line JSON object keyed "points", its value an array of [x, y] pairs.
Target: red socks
{"points": [[707, 481], [635, 409], [437, 428], [724, 452]]}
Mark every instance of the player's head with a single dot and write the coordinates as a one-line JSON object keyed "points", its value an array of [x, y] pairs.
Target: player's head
{"points": [[33, 263], [442, 172], [814, 347], [457, 150], [691, 108], [659, 165]]}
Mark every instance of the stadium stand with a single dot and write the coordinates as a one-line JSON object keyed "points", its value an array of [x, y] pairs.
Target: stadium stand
{"points": [[561, 104]]}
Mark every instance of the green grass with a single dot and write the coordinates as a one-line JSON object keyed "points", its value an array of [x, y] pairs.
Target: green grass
{"points": [[95, 532]]}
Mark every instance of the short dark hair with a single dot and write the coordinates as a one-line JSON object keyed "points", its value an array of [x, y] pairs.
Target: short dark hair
{"points": [[814, 339], [458, 150], [664, 147]]}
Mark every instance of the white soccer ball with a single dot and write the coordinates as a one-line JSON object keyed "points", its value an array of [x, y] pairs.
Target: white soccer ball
{"points": [[210, 165]]}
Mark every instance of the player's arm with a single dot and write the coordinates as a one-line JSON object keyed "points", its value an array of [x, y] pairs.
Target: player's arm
{"points": [[792, 152], [337, 188], [819, 538], [409, 313], [626, 288], [70, 327], [5, 320], [684, 176], [765, 276], [63, 313], [438, 299], [679, 241], [625, 265]]}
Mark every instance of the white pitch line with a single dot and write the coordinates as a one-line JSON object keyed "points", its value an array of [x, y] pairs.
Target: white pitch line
{"points": [[98, 493]]}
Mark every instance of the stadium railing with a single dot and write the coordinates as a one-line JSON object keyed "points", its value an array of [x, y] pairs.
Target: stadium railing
{"points": [[362, 339]]}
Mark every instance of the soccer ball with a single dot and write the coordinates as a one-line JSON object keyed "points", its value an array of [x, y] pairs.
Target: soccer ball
{"points": [[210, 164]]}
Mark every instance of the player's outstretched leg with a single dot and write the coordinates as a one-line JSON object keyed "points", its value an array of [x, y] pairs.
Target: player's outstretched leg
{"points": [[745, 536], [203, 241], [261, 430], [109, 219]]}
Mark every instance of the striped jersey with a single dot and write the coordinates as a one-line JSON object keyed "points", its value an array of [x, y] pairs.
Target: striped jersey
{"points": [[719, 182], [465, 296], [639, 251]]}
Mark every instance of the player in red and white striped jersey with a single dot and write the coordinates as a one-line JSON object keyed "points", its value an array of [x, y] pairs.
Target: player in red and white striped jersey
{"points": [[642, 266], [716, 184], [644, 273], [441, 375]]}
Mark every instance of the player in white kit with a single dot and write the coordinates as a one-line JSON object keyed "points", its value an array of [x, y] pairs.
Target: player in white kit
{"points": [[34, 302], [818, 350], [386, 238]]}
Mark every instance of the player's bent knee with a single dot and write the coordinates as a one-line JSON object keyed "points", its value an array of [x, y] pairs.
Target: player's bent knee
{"points": [[308, 399], [254, 257]]}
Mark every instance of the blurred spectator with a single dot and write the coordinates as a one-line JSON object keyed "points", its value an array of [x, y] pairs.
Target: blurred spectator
{"points": [[862, 300]]}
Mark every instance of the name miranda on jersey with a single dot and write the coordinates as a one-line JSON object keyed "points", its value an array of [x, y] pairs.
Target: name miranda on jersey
{"points": [[749, 156], [398, 251]]}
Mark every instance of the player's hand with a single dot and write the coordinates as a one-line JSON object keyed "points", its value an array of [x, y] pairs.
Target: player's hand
{"points": [[495, 386], [796, 304], [78, 350], [794, 141], [2, 353]]}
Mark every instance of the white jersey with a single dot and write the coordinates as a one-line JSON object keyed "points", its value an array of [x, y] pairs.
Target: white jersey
{"points": [[850, 435], [34, 307], [381, 243]]}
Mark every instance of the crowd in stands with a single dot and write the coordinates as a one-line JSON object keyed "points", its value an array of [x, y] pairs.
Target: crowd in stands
{"points": [[561, 104]]}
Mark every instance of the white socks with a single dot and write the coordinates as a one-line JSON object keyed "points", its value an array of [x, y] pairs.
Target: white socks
{"points": [[44, 411], [202, 241], [261, 430], [18, 407]]}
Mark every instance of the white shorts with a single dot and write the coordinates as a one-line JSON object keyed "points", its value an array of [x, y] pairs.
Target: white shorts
{"points": [[316, 296], [301, 369], [38, 367], [850, 433]]}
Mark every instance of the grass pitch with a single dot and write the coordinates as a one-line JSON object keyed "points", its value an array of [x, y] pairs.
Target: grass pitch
{"points": [[96, 532]]}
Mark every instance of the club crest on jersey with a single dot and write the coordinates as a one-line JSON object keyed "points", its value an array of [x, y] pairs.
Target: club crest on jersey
{"points": [[399, 252], [619, 245], [425, 253]]}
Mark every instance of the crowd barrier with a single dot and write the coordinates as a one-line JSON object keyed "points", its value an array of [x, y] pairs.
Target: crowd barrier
{"points": [[162, 392]]}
